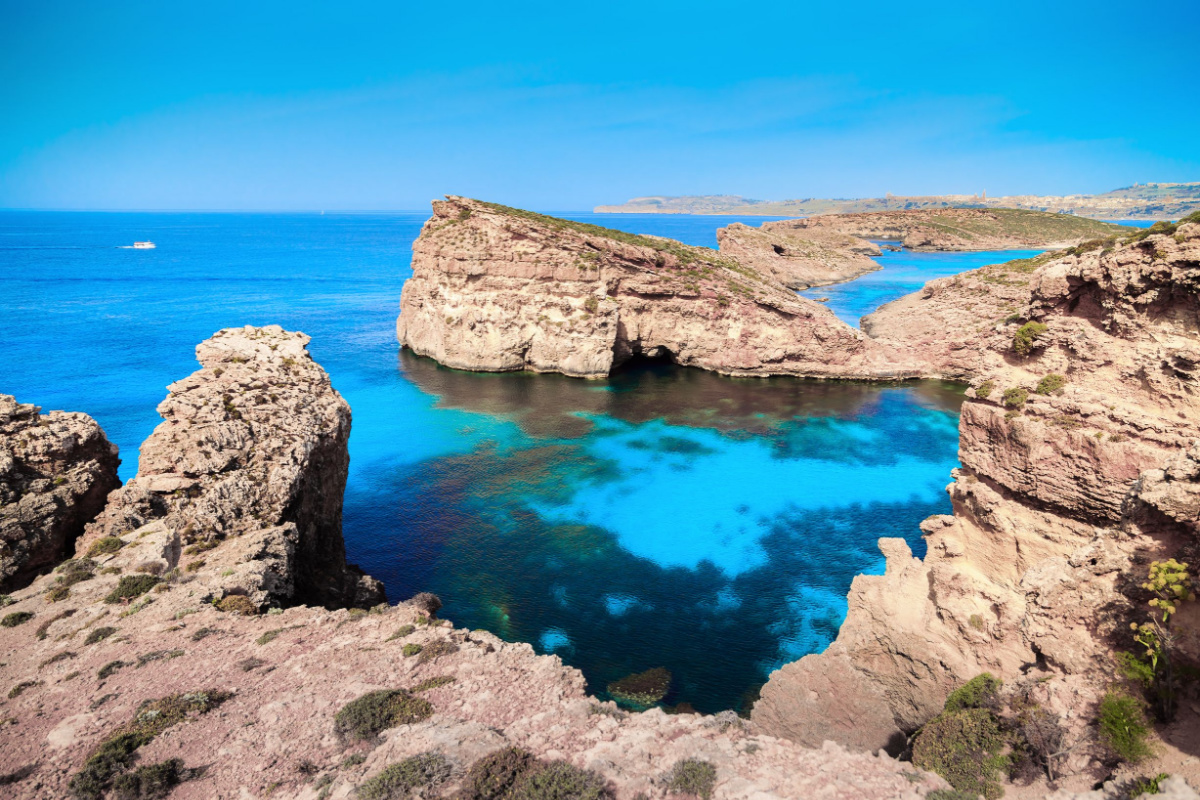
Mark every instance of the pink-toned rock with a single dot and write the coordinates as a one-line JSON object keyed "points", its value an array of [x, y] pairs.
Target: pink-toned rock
{"points": [[56, 470], [795, 260], [254, 444], [497, 289]]}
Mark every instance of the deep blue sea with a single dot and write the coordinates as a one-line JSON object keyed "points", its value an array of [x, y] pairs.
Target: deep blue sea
{"points": [[665, 517]]}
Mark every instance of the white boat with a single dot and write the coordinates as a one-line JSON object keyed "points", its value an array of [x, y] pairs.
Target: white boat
{"points": [[144, 245]]}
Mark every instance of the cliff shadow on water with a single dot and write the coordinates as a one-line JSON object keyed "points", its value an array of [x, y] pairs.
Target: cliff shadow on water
{"points": [[664, 516]]}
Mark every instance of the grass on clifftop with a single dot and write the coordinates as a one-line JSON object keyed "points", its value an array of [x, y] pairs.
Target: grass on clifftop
{"points": [[1041, 225]]}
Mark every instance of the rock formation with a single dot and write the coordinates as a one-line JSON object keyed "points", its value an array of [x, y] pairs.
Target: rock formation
{"points": [[960, 228], [798, 260], [497, 289], [1079, 465], [56, 470], [145, 660], [252, 447]]}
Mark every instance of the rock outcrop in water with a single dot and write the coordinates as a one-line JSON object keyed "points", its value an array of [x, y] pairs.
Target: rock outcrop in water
{"points": [[56, 470], [958, 228], [144, 661], [798, 260], [252, 448], [1079, 450], [498, 289]]}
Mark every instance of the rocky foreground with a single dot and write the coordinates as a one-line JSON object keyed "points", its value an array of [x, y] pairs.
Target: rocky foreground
{"points": [[174, 655]]}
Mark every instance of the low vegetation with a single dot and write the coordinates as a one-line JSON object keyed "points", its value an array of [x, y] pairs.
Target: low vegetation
{"points": [[99, 634], [693, 776], [105, 545], [153, 780], [237, 604], [1026, 337], [114, 756], [1123, 727], [16, 618], [1015, 397], [984, 390], [401, 780], [1051, 384], [364, 718], [131, 587], [493, 776], [966, 744]]}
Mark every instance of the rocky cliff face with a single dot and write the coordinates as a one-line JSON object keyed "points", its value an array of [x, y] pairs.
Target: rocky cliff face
{"points": [[962, 228], [146, 660], [253, 447], [1078, 450], [798, 260], [498, 289], [56, 470]]}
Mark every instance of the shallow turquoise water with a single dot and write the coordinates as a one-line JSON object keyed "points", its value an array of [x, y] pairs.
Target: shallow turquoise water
{"points": [[665, 517]]}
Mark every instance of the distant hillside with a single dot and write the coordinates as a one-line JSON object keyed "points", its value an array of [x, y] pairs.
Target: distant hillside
{"points": [[1141, 201]]}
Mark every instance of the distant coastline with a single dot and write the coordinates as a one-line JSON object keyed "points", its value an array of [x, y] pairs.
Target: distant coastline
{"points": [[1145, 201]]}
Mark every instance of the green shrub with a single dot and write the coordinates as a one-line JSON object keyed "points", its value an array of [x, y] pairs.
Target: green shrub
{"points": [[400, 780], [411, 649], [1134, 669], [116, 753], [56, 593], [401, 632], [99, 634], [984, 390], [1051, 383], [559, 780], [493, 776], [17, 690], [269, 636], [110, 668], [436, 649], [951, 794], [966, 748], [426, 602], [1147, 785], [1123, 727], [105, 545], [75, 571], [16, 618], [237, 604], [363, 719], [151, 781], [132, 586], [979, 692], [433, 683], [1026, 336], [642, 688], [1015, 397], [694, 777]]}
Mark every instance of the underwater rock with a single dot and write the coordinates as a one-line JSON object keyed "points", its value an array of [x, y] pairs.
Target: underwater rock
{"points": [[642, 689]]}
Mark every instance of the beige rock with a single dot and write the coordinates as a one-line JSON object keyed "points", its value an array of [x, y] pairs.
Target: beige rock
{"points": [[56, 470], [798, 261]]}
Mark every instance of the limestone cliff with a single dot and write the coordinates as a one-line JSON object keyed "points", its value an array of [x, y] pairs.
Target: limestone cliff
{"points": [[961, 228], [498, 289], [1079, 465], [253, 446], [56, 470], [797, 261]]}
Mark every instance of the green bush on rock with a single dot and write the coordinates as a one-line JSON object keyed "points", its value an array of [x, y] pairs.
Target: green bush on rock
{"points": [[1123, 727], [559, 780], [363, 719], [966, 748], [979, 692], [694, 777], [1026, 336], [493, 776], [399, 781]]}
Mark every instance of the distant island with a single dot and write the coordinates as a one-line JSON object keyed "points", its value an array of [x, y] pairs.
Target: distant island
{"points": [[1140, 201]]}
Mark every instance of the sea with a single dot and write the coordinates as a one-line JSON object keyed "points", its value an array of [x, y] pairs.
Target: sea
{"points": [[665, 517]]}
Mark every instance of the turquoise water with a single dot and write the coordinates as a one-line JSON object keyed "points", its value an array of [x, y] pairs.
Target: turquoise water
{"points": [[665, 517], [904, 272]]}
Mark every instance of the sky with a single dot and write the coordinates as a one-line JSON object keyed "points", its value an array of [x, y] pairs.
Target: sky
{"points": [[562, 106]]}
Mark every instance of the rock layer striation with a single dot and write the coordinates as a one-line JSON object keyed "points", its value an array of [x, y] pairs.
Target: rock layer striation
{"points": [[253, 446], [56, 470], [498, 289]]}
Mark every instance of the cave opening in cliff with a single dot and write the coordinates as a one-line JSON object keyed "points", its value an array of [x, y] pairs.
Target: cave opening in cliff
{"points": [[643, 359]]}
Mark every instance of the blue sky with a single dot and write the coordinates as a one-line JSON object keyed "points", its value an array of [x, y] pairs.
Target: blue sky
{"points": [[561, 106]]}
